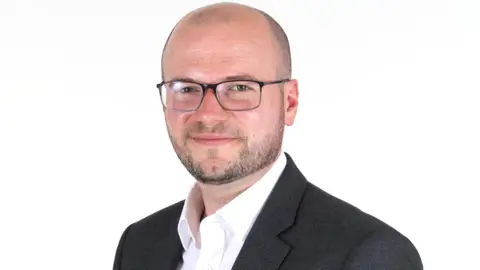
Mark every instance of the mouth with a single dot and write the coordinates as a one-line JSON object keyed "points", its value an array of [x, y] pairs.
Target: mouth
{"points": [[212, 140]]}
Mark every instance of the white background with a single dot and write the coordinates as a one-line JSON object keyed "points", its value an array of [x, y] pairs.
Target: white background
{"points": [[389, 121]]}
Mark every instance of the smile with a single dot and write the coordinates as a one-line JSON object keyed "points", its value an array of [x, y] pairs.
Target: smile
{"points": [[212, 140]]}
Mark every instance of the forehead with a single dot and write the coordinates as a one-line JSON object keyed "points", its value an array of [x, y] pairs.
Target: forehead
{"points": [[210, 53]]}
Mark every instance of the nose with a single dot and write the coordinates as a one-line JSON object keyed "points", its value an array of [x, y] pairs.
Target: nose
{"points": [[210, 111], [210, 102]]}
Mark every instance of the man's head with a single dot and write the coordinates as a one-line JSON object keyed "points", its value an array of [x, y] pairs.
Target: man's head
{"points": [[232, 135]]}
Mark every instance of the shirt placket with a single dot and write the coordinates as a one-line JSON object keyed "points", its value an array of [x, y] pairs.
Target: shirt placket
{"points": [[213, 244]]}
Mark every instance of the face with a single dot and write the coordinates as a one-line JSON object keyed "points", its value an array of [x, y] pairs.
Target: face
{"points": [[218, 146]]}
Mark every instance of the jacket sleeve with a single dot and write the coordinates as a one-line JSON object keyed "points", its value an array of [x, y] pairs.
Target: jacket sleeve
{"points": [[117, 263], [384, 249]]}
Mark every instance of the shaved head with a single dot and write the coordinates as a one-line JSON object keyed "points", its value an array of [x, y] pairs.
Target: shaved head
{"points": [[225, 13]]}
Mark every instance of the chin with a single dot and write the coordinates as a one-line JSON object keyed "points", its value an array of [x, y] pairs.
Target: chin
{"points": [[220, 154], [216, 176], [206, 160], [214, 162], [213, 168]]}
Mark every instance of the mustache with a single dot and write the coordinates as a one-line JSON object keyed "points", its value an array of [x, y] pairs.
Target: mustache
{"points": [[220, 127]]}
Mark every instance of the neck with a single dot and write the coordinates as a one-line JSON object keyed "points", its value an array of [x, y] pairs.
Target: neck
{"points": [[217, 196]]}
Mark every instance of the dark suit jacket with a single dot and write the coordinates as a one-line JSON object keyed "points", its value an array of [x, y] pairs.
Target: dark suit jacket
{"points": [[300, 227]]}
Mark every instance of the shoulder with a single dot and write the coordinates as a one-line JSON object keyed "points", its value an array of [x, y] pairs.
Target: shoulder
{"points": [[155, 227], [330, 210], [163, 219], [362, 238], [141, 236]]}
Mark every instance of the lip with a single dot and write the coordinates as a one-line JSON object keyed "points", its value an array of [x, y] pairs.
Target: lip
{"points": [[212, 139]]}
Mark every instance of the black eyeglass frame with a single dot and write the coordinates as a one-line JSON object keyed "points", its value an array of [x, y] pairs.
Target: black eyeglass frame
{"points": [[213, 86]]}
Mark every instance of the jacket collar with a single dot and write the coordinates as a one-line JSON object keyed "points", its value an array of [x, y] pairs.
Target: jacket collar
{"points": [[263, 248]]}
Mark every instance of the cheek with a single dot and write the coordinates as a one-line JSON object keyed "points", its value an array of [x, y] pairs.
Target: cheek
{"points": [[176, 122], [255, 125]]}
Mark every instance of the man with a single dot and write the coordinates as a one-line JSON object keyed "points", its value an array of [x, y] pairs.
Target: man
{"points": [[227, 94]]}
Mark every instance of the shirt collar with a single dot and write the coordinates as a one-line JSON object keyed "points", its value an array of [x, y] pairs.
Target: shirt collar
{"points": [[239, 214], [190, 217]]}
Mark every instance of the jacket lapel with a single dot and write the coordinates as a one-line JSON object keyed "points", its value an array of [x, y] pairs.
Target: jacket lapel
{"points": [[263, 247]]}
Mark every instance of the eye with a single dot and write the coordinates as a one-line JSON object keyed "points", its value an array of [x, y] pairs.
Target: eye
{"points": [[240, 87], [188, 89]]}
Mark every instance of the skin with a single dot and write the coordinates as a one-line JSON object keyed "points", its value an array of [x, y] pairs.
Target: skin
{"points": [[210, 45]]}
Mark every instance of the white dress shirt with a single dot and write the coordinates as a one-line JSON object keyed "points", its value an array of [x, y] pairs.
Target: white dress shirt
{"points": [[214, 242]]}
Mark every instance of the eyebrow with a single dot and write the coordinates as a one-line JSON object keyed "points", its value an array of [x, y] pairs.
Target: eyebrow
{"points": [[237, 77]]}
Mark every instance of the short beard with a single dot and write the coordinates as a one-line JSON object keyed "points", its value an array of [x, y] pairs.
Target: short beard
{"points": [[250, 159]]}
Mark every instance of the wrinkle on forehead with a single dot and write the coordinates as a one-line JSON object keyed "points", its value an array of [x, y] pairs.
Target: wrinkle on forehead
{"points": [[214, 49], [222, 50]]}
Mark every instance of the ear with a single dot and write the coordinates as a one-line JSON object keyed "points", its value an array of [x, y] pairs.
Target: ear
{"points": [[290, 99]]}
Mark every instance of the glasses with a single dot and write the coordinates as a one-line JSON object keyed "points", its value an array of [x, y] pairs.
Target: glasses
{"points": [[234, 95]]}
